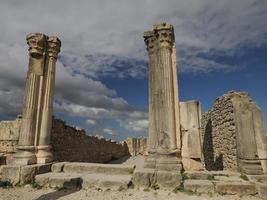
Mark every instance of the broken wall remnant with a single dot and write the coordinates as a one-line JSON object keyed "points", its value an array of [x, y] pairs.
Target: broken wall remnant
{"points": [[234, 136], [190, 115], [34, 138]]}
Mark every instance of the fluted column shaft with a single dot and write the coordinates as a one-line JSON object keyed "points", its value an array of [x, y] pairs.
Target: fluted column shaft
{"points": [[44, 154], [167, 91], [152, 129], [37, 44]]}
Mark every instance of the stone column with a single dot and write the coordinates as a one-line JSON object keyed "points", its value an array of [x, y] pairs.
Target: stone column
{"points": [[164, 120], [44, 154], [167, 94], [149, 39], [25, 155]]}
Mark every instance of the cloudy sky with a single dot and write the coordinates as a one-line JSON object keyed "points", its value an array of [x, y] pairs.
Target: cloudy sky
{"points": [[101, 80]]}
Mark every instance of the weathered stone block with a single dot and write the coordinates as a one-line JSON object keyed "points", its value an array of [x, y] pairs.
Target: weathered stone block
{"points": [[239, 188], [144, 177], [199, 186], [169, 179], [11, 173]]}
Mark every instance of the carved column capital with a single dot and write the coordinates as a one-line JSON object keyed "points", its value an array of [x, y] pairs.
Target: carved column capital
{"points": [[150, 41], [53, 46], [37, 44], [164, 34]]}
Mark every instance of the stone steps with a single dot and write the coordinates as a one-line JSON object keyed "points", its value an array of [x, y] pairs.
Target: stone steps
{"points": [[87, 175], [90, 168]]}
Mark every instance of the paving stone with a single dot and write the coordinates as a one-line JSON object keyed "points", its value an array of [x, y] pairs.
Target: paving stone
{"points": [[199, 186], [239, 188]]}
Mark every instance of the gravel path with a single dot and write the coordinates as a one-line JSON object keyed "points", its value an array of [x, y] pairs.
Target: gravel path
{"points": [[28, 193]]}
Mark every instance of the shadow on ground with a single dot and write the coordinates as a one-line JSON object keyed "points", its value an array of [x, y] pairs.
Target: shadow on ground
{"points": [[57, 194]]}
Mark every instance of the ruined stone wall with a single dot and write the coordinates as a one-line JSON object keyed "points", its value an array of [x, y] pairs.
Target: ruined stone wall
{"points": [[137, 146], [9, 135], [69, 144], [219, 135]]}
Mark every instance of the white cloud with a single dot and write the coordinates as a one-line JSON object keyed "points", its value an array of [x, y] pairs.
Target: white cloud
{"points": [[104, 38], [90, 122], [109, 131]]}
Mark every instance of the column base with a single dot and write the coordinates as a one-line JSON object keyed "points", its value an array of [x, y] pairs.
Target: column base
{"points": [[44, 154], [24, 156]]}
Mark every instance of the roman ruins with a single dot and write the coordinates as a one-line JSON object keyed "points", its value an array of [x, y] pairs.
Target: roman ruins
{"points": [[223, 150], [37, 112]]}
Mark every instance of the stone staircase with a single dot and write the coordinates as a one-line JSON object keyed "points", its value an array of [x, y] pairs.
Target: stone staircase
{"points": [[87, 175]]}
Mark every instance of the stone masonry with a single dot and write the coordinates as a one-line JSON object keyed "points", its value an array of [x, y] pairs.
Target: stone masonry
{"points": [[233, 135], [69, 144]]}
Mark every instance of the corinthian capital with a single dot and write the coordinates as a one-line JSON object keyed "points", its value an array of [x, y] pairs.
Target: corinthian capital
{"points": [[37, 44], [53, 46], [165, 34], [149, 39]]}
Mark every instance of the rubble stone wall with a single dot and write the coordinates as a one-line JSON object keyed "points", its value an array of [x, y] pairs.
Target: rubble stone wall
{"points": [[69, 144], [219, 135]]}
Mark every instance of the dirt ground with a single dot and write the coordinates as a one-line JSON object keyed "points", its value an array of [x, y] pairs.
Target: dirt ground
{"points": [[29, 193]]}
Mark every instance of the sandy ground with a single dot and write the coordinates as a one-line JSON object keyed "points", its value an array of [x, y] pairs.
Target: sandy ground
{"points": [[29, 193]]}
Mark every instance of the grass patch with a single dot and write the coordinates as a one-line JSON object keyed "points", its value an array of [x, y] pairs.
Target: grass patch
{"points": [[36, 185], [146, 190], [244, 177], [184, 176], [179, 188], [5, 184], [211, 177]]}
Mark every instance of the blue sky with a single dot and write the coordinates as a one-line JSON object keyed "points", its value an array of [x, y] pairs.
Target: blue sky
{"points": [[101, 80]]}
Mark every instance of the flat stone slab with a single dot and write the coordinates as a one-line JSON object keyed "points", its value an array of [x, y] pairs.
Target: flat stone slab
{"points": [[262, 190], [203, 175], [199, 186], [91, 168], [115, 182], [239, 188], [258, 178], [228, 178], [59, 180]]}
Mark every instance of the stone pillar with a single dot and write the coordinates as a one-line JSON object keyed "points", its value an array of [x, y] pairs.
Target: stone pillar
{"points": [[44, 154], [25, 155], [164, 123], [149, 39], [167, 94]]}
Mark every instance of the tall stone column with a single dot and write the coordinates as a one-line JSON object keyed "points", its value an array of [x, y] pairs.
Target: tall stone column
{"points": [[37, 45], [44, 154], [149, 39], [167, 93], [164, 115]]}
